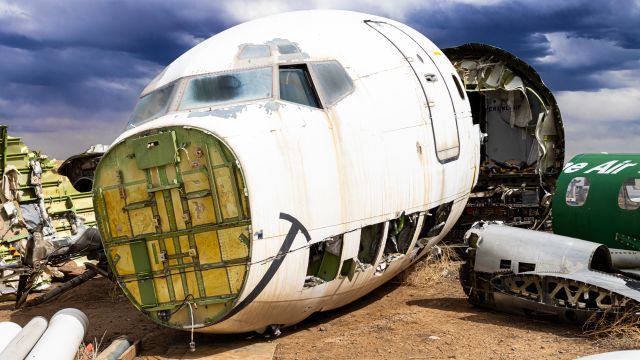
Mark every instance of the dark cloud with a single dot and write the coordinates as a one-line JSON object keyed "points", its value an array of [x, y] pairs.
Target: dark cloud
{"points": [[520, 28], [80, 63]]}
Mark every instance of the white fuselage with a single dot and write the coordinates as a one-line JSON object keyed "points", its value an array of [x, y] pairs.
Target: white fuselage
{"points": [[401, 141]]}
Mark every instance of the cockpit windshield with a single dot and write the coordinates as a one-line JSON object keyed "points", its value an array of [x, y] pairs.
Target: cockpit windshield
{"points": [[229, 87], [151, 106], [218, 89], [204, 91]]}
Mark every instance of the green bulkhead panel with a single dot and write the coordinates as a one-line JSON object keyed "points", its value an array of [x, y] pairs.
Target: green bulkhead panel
{"points": [[155, 150], [174, 218]]}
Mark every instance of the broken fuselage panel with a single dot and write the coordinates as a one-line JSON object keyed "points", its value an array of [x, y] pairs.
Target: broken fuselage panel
{"points": [[43, 219], [540, 274], [285, 166], [523, 149]]}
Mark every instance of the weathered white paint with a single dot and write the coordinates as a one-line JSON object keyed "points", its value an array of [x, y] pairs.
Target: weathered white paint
{"points": [[360, 162]]}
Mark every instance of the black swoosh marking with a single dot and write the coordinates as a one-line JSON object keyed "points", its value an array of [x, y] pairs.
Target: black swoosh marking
{"points": [[296, 226]]}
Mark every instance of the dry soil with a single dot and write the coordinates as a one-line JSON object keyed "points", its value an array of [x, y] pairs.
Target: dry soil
{"points": [[395, 321]]}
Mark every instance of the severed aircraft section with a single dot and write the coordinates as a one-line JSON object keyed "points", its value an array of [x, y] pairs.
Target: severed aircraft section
{"points": [[589, 266], [523, 138], [547, 275]]}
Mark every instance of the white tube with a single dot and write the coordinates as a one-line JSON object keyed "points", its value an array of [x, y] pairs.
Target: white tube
{"points": [[63, 336], [8, 330], [117, 348], [23, 342]]}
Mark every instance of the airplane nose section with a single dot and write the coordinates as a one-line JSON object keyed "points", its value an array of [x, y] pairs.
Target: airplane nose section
{"points": [[173, 213]]}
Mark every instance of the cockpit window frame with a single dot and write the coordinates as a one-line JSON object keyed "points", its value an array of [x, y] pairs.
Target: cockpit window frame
{"points": [[167, 108], [312, 86], [180, 86], [185, 81], [316, 77]]}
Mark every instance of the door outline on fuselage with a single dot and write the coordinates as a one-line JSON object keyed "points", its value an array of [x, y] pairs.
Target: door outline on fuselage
{"points": [[424, 91]]}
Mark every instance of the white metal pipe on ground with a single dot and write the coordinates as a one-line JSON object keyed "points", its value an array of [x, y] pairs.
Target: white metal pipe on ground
{"points": [[24, 341], [63, 336], [117, 348], [8, 330]]}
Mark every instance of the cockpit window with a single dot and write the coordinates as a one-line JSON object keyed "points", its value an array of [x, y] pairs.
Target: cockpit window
{"points": [[152, 105], [577, 191], [629, 195], [288, 49], [254, 52], [295, 86], [332, 80], [218, 89]]}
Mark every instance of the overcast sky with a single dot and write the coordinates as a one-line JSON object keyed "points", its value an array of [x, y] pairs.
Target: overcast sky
{"points": [[70, 71]]}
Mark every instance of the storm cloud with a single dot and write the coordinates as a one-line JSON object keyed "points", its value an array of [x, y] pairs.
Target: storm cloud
{"points": [[70, 72]]}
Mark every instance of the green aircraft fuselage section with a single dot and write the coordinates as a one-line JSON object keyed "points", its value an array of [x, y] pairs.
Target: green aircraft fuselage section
{"points": [[597, 199]]}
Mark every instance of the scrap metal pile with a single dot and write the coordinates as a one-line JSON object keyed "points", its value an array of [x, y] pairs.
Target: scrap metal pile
{"points": [[542, 274], [44, 220]]}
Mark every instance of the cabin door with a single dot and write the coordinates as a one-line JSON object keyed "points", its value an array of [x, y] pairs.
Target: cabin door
{"points": [[436, 94]]}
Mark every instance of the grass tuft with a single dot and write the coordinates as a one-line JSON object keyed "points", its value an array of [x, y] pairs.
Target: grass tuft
{"points": [[438, 265]]}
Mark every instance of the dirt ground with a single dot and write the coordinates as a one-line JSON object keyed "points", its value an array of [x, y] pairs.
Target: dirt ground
{"points": [[394, 322]]}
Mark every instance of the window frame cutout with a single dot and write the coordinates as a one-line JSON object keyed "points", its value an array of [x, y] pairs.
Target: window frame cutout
{"points": [[571, 191], [323, 263], [181, 106], [376, 232], [321, 87], [625, 202], [459, 86], [313, 92]]}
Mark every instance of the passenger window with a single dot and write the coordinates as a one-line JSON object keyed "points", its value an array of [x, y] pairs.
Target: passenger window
{"points": [[295, 86], [629, 195], [458, 85], [332, 80], [577, 191]]}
